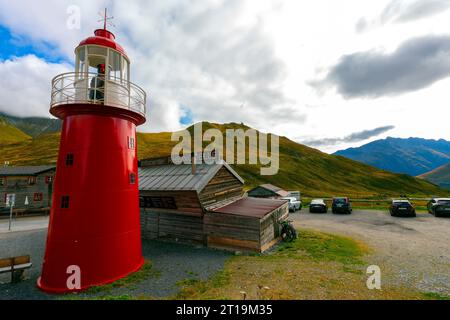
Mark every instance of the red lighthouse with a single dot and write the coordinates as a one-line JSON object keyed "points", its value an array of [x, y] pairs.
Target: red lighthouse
{"points": [[94, 230]]}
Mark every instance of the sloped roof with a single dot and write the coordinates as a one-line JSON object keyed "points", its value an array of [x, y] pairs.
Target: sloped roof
{"points": [[24, 171], [251, 207], [179, 177], [275, 189]]}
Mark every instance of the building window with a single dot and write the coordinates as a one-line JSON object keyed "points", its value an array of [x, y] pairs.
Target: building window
{"points": [[31, 180], [65, 202], [48, 179], [69, 159], [38, 196], [157, 202], [130, 143], [132, 178]]}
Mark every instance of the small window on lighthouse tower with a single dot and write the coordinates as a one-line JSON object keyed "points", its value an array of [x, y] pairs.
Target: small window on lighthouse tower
{"points": [[132, 178], [65, 202], [130, 143], [69, 159]]}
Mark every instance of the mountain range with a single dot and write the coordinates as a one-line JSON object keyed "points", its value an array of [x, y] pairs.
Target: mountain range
{"points": [[413, 156], [439, 176], [33, 126], [311, 171]]}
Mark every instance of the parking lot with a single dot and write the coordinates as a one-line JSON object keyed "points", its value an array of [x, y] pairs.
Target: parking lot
{"points": [[411, 252]]}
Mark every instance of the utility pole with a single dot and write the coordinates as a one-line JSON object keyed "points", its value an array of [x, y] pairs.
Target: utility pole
{"points": [[11, 199]]}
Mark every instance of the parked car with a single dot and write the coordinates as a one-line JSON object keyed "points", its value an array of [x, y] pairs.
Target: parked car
{"points": [[318, 206], [399, 208], [294, 204], [341, 205], [439, 207]]}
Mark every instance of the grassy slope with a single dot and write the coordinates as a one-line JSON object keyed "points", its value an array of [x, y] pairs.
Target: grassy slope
{"points": [[440, 176], [33, 126], [10, 134], [332, 267], [301, 168]]}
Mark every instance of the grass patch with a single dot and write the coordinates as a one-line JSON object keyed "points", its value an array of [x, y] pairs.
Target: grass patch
{"points": [[435, 296], [129, 281], [321, 246], [315, 266], [105, 292]]}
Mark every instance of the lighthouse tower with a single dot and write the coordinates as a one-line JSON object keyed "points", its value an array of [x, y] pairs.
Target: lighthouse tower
{"points": [[94, 233]]}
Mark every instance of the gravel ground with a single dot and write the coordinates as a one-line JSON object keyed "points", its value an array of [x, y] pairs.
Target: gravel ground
{"points": [[414, 252], [172, 263]]}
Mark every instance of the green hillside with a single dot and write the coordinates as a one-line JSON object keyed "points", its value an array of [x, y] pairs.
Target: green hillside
{"points": [[301, 168], [440, 176], [10, 134], [33, 126]]}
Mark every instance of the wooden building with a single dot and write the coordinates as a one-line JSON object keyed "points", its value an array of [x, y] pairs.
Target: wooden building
{"points": [[31, 185], [185, 203], [268, 191], [248, 224]]}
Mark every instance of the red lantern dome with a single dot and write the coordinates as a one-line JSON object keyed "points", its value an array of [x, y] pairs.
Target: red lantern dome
{"points": [[103, 38]]}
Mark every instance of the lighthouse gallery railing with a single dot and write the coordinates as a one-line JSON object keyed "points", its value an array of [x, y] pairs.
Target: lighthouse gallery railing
{"points": [[90, 88]]}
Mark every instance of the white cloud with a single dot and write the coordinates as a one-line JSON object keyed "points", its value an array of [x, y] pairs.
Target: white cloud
{"points": [[240, 60], [25, 85]]}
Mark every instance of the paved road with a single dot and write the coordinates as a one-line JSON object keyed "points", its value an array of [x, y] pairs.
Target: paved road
{"points": [[24, 224], [172, 262], [412, 251]]}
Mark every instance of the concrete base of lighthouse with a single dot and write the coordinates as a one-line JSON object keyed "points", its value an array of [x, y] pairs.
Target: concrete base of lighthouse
{"points": [[94, 219]]}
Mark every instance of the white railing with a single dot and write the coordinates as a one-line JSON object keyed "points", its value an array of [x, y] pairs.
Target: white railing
{"points": [[90, 88]]}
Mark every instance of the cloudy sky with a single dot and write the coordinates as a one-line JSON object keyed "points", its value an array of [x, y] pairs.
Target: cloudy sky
{"points": [[331, 74]]}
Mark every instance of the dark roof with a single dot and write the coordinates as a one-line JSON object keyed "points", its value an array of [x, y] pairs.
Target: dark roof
{"points": [[274, 189], [173, 177], [24, 171], [251, 207]]}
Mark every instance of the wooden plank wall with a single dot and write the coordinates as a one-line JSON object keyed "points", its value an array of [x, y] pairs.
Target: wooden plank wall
{"points": [[226, 231], [187, 202], [173, 227], [224, 185], [232, 226], [270, 228], [20, 187], [244, 233]]}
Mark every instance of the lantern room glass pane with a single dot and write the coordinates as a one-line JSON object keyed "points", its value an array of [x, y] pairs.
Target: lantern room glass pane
{"points": [[81, 61], [125, 70], [97, 50], [114, 65]]}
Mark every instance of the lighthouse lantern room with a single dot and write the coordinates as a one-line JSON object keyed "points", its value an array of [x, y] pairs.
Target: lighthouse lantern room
{"points": [[94, 232]]}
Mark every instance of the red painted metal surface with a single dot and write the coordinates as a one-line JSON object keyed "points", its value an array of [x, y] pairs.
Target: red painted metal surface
{"points": [[103, 38], [94, 219], [100, 231]]}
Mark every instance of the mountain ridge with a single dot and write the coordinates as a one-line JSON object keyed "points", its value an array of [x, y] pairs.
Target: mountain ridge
{"points": [[413, 156], [439, 176], [302, 168]]}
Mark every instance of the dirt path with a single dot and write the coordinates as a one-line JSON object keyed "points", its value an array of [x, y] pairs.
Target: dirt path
{"points": [[414, 252]]}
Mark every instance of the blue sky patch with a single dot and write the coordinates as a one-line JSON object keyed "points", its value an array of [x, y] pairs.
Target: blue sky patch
{"points": [[13, 45], [187, 117]]}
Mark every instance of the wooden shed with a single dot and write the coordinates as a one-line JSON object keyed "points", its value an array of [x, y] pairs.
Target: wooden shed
{"points": [[248, 224], [174, 198], [205, 204], [267, 191]]}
